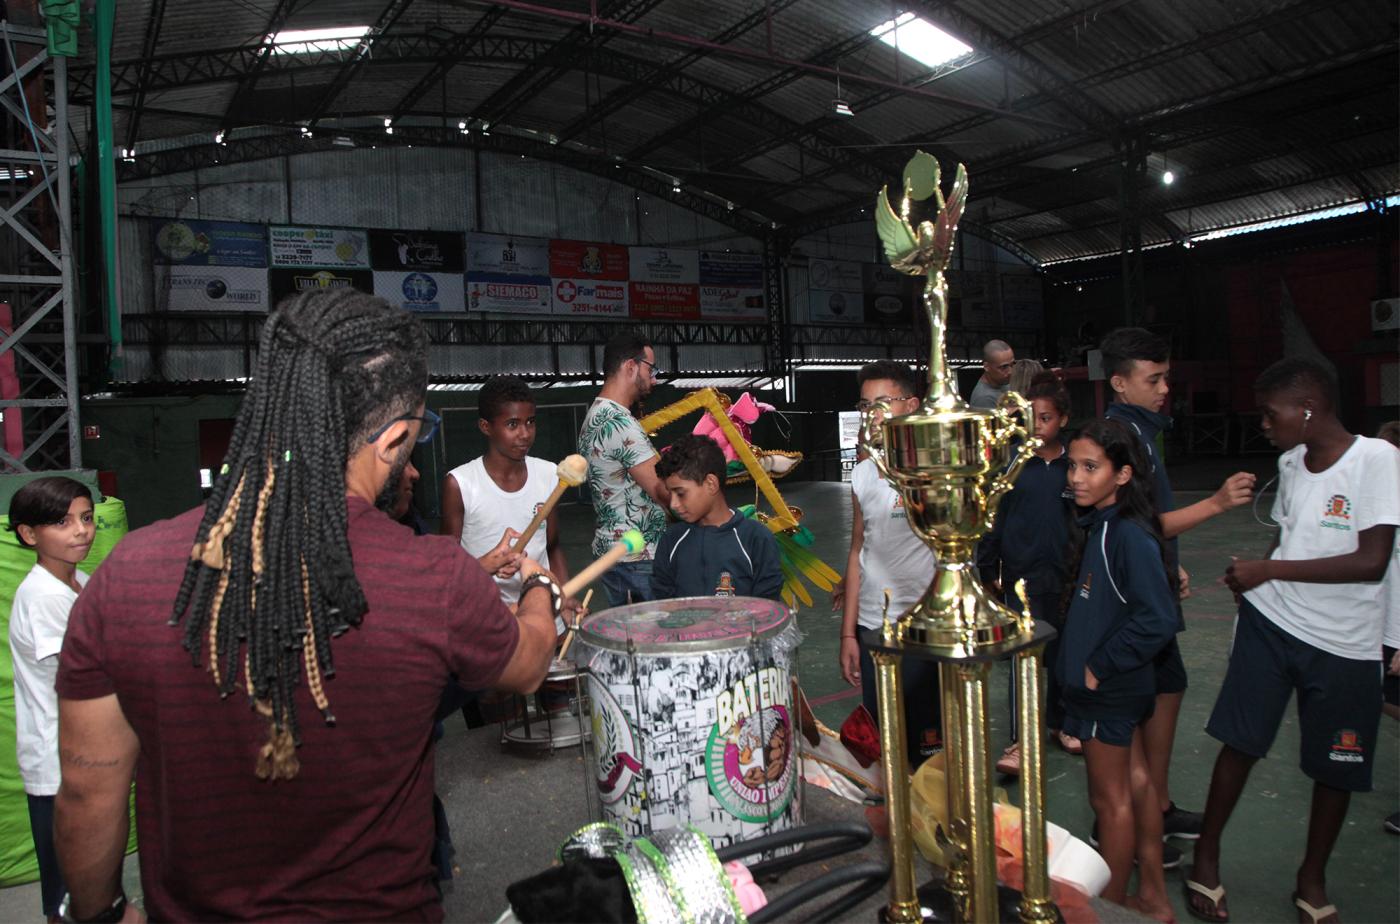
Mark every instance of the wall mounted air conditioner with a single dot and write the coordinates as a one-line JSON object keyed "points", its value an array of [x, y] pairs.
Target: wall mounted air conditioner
{"points": [[1385, 314]]}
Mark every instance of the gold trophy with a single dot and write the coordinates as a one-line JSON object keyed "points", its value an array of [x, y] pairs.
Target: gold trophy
{"points": [[952, 464]]}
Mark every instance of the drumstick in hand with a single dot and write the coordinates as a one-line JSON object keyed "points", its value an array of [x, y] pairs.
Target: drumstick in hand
{"points": [[573, 629], [572, 473], [630, 544]]}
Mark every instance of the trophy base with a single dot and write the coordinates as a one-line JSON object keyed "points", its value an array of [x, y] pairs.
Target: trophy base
{"points": [[936, 904]]}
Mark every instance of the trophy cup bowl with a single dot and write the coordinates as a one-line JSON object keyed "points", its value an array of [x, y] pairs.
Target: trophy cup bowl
{"points": [[952, 465]]}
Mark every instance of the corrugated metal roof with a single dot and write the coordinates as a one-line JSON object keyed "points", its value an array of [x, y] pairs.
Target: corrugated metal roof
{"points": [[1261, 107]]}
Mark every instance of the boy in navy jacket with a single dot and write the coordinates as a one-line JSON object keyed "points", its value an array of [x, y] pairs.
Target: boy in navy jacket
{"points": [[715, 552], [1138, 365]]}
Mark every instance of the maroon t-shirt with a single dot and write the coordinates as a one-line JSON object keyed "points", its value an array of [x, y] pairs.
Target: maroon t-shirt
{"points": [[350, 836]]}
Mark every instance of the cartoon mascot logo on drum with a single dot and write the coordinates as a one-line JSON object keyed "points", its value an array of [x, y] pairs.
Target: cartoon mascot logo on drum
{"points": [[616, 748], [750, 756]]}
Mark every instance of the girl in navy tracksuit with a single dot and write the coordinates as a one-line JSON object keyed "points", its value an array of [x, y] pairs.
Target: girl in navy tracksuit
{"points": [[1028, 541], [1121, 613]]}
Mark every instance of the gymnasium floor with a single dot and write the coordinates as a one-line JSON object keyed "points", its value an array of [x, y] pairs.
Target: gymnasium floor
{"points": [[508, 810]]}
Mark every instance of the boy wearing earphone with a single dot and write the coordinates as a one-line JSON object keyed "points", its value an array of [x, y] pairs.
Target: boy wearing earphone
{"points": [[1310, 621]]}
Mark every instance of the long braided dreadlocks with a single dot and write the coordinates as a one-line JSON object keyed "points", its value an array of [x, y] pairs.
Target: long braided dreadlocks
{"points": [[270, 581]]}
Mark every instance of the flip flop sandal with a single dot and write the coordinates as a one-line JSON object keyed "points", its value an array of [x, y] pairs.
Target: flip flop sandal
{"points": [[1071, 744], [1317, 914], [1215, 896]]}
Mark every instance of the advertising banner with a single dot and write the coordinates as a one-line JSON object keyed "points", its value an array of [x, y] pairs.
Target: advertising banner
{"points": [[590, 297], [424, 251], [664, 300], [587, 260], [212, 288], [890, 296], [662, 264], [508, 274], [319, 248], [834, 292], [824, 307], [191, 242], [421, 291], [731, 286], [834, 276], [286, 282]]}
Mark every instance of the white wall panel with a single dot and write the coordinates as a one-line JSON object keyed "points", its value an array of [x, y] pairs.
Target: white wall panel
{"points": [[436, 190], [357, 187]]}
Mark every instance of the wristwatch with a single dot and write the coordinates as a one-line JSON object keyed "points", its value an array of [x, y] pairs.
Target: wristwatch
{"points": [[111, 915], [542, 579]]}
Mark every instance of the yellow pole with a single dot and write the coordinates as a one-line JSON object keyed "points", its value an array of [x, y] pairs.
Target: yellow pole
{"points": [[1036, 907], [957, 881], [977, 790], [904, 900]]}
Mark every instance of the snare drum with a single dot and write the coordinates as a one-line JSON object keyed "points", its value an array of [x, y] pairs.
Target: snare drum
{"points": [[691, 703]]}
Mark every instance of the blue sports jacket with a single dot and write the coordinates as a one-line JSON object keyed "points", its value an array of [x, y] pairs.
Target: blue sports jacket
{"points": [[1147, 424], [1030, 538], [740, 559], [1122, 613]]}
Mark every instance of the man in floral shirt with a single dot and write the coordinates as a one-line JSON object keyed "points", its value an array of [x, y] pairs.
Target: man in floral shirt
{"points": [[622, 466]]}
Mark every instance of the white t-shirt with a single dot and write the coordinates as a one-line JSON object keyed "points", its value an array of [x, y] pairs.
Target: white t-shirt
{"points": [[38, 620], [1390, 598], [1320, 515], [891, 555], [487, 511]]}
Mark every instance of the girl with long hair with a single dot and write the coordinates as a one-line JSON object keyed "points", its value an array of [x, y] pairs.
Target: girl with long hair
{"points": [[1120, 613]]}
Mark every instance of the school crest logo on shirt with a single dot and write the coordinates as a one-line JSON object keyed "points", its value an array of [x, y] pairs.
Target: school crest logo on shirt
{"points": [[1338, 513], [725, 587], [538, 508], [1088, 582], [1346, 747]]}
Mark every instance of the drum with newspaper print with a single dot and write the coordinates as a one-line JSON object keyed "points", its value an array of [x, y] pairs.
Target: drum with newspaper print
{"points": [[692, 716]]}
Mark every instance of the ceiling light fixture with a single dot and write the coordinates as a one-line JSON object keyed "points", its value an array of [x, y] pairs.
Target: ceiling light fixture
{"points": [[1168, 178], [839, 106]]}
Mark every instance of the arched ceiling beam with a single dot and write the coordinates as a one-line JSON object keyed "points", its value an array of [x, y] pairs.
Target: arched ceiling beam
{"points": [[291, 142]]}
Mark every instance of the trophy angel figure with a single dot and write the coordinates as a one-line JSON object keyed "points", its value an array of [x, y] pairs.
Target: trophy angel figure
{"points": [[925, 251]]}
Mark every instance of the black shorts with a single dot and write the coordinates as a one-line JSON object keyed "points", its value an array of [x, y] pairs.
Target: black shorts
{"points": [[1391, 688], [1170, 669], [1117, 732], [51, 887], [1339, 703]]}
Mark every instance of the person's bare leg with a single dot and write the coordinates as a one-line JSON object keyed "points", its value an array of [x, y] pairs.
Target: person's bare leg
{"points": [[1151, 898], [1111, 798], [1226, 784], [1159, 734], [1329, 812]]}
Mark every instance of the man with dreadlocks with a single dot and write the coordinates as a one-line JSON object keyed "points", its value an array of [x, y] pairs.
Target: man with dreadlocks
{"points": [[298, 785]]}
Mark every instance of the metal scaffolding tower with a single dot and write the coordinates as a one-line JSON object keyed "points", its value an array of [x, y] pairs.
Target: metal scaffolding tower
{"points": [[38, 355]]}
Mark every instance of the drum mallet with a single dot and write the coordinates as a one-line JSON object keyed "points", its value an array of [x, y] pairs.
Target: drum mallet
{"points": [[570, 632], [630, 543], [573, 471]]}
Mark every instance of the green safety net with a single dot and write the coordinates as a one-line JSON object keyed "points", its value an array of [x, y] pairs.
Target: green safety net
{"points": [[61, 17], [17, 862]]}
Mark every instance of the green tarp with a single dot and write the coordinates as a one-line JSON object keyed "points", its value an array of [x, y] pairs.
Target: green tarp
{"points": [[61, 17], [17, 863]]}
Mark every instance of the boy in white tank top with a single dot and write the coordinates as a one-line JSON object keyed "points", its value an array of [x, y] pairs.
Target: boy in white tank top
{"points": [[885, 555], [489, 500]]}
